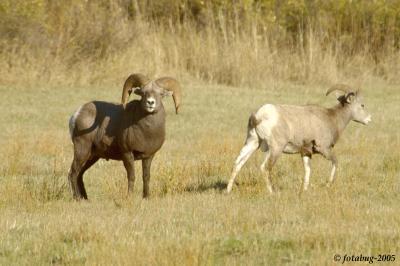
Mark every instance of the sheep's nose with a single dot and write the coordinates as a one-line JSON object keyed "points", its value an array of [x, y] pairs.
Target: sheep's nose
{"points": [[151, 102]]}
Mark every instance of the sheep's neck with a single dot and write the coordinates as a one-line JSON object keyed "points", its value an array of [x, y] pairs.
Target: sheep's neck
{"points": [[342, 116], [145, 132]]}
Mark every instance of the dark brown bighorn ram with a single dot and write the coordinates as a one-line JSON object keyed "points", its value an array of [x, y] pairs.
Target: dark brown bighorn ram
{"points": [[128, 131]]}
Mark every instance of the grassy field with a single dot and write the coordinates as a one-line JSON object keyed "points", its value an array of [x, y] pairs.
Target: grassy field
{"points": [[189, 219]]}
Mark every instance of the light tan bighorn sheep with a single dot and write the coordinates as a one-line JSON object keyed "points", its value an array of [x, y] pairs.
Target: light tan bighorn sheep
{"points": [[307, 130]]}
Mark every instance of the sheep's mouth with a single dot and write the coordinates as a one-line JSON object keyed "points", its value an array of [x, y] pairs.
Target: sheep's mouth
{"points": [[365, 121], [150, 109]]}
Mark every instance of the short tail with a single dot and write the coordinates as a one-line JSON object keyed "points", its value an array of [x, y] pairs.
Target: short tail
{"points": [[253, 121]]}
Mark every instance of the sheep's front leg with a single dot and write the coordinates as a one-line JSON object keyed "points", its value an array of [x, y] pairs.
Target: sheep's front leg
{"points": [[333, 159], [307, 172], [329, 155], [146, 164], [247, 150], [129, 163]]}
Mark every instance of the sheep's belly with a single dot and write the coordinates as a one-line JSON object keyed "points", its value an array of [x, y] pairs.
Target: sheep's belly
{"points": [[291, 148]]}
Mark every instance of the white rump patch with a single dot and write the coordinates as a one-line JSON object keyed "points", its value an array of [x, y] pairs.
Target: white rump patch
{"points": [[72, 120], [268, 114]]}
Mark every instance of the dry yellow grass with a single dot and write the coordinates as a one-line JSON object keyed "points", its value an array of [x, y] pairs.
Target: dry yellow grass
{"points": [[188, 219]]}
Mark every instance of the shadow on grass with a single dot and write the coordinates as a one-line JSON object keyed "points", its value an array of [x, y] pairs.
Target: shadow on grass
{"points": [[218, 185]]}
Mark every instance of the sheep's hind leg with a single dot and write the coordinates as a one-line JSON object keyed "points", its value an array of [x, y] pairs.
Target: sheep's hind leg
{"points": [[85, 167], [129, 163], [75, 177], [271, 158], [244, 155], [266, 174]]}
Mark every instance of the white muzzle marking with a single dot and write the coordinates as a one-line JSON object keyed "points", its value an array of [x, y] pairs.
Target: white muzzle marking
{"points": [[368, 120], [150, 104]]}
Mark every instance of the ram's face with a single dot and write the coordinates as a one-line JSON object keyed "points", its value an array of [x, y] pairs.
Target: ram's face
{"points": [[358, 110], [151, 97]]}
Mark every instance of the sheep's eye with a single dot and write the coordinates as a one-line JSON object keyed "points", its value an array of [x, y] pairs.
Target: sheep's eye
{"points": [[362, 105]]}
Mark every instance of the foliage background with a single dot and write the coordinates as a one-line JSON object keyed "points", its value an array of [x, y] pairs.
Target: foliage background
{"points": [[243, 42]]}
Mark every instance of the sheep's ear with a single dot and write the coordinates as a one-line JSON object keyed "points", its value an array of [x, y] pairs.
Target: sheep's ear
{"points": [[350, 97], [342, 99], [166, 93], [138, 91], [346, 98]]}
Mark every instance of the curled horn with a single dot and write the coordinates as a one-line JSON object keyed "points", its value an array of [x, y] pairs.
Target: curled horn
{"points": [[133, 81], [340, 87], [172, 85]]}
